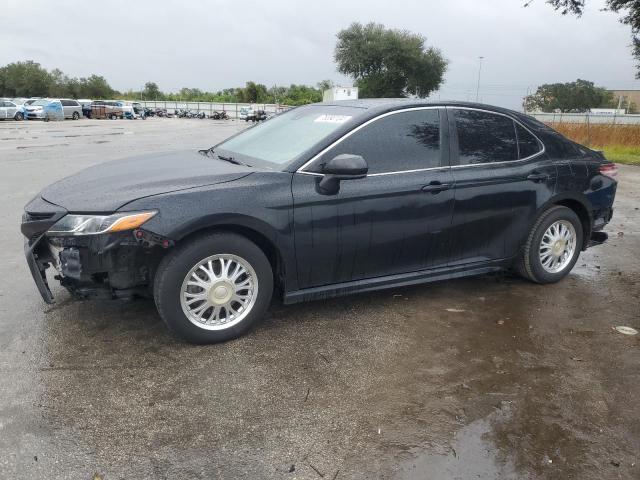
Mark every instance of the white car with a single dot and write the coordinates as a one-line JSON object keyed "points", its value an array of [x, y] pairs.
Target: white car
{"points": [[245, 112], [127, 109], [9, 109]]}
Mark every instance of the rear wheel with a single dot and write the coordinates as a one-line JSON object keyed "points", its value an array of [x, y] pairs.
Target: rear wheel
{"points": [[113, 116], [553, 246], [214, 288]]}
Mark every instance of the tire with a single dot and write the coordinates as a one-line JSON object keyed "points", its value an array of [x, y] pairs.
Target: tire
{"points": [[113, 116], [530, 264], [170, 287], [75, 116], [18, 116]]}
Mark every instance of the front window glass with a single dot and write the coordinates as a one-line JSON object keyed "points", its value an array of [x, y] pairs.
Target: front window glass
{"points": [[41, 103], [394, 143], [284, 137]]}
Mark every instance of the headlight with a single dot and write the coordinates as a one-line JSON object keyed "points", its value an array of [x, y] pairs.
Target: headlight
{"points": [[95, 224]]}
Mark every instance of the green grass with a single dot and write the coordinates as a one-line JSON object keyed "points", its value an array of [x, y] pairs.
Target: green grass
{"points": [[627, 155]]}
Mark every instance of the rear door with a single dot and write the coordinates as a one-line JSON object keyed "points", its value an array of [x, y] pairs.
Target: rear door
{"points": [[395, 220], [67, 107], [502, 176], [3, 109], [10, 109]]}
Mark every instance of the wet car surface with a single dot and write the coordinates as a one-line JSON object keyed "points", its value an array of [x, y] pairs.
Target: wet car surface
{"points": [[489, 377]]}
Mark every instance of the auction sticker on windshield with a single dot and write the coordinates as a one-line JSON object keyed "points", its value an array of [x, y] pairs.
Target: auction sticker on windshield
{"points": [[332, 118]]}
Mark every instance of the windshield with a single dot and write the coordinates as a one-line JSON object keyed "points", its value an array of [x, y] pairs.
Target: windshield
{"points": [[41, 103], [284, 137]]}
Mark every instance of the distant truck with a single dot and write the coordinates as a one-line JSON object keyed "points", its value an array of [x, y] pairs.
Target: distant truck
{"points": [[340, 93]]}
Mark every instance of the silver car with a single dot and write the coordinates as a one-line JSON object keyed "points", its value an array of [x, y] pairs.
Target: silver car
{"points": [[8, 110], [72, 109]]}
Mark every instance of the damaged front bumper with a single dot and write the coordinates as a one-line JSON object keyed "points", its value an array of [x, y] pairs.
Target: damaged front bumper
{"points": [[38, 271], [110, 265]]}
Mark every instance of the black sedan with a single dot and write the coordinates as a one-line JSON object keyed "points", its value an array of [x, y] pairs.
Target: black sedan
{"points": [[324, 200]]}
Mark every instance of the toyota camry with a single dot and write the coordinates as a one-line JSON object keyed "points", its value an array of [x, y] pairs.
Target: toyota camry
{"points": [[323, 200]]}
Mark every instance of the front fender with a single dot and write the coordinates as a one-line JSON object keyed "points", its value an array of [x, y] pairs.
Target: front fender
{"points": [[261, 203]]}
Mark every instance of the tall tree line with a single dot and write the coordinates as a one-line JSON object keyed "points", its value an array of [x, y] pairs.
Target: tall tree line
{"points": [[30, 79]]}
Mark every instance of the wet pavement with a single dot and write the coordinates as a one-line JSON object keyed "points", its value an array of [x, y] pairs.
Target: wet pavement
{"points": [[488, 377]]}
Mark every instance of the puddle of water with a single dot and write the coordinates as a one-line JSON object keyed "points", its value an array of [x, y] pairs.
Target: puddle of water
{"points": [[470, 455]]}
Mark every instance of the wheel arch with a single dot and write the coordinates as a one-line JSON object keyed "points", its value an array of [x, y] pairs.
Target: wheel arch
{"points": [[261, 238], [579, 204]]}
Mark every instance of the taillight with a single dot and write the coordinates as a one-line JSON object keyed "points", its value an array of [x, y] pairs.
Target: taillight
{"points": [[609, 170]]}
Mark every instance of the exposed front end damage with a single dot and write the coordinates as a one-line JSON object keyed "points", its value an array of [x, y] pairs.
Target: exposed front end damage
{"points": [[109, 265]]}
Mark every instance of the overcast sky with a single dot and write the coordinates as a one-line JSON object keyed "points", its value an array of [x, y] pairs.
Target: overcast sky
{"points": [[216, 44]]}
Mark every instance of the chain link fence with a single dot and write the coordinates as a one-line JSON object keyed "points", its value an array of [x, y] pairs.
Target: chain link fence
{"points": [[232, 109], [587, 118]]}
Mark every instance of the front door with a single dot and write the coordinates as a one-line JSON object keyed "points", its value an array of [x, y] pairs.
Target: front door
{"points": [[502, 176], [395, 220]]}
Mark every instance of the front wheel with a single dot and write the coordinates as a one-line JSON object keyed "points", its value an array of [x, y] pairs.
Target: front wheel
{"points": [[553, 246], [19, 116], [75, 116], [214, 288]]}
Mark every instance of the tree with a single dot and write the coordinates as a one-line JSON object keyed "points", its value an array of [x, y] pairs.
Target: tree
{"points": [[578, 96], [254, 93], [151, 91], [24, 79], [629, 8], [95, 86], [325, 85], [388, 63]]}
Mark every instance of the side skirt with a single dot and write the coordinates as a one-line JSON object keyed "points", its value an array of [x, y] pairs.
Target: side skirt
{"points": [[391, 281]]}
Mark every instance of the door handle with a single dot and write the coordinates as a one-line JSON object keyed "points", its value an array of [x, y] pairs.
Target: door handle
{"points": [[436, 187], [537, 177]]}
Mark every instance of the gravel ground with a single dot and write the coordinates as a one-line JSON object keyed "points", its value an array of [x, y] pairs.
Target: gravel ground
{"points": [[488, 377]]}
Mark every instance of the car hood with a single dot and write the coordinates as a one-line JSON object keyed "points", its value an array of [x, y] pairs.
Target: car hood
{"points": [[107, 187]]}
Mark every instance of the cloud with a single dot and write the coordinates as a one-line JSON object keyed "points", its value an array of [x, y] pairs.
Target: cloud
{"points": [[217, 44]]}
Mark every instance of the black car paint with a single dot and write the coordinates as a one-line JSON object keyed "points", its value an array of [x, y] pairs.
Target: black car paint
{"points": [[110, 186], [375, 232]]}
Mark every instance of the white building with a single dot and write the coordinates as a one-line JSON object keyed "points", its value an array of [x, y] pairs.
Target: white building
{"points": [[340, 93]]}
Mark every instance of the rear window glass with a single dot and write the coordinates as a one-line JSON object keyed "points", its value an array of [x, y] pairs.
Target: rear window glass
{"points": [[528, 145], [485, 137]]}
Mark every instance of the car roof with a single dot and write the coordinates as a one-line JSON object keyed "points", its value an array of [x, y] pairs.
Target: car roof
{"points": [[397, 103], [377, 106]]}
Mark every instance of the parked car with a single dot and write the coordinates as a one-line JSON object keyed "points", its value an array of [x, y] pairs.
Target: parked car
{"points": [[9, 109], [244, 112], [53, 108], [71, 108], [85, 103], [320, 201], [44, 109], [106, 109], [127, 109], [138, 110], [256, 116]]}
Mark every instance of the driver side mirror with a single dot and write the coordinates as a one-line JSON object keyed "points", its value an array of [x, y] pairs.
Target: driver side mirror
{"points": [[341, 167]]}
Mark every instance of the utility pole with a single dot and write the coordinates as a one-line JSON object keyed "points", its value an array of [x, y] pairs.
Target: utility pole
{"points": [[479, 72]]}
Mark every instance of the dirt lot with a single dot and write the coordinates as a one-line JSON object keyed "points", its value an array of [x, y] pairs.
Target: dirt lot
{"points": [[489, 377]]}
